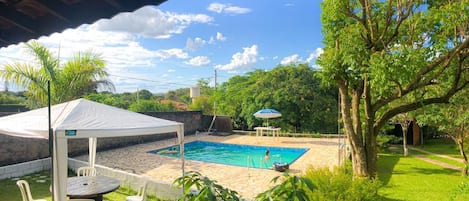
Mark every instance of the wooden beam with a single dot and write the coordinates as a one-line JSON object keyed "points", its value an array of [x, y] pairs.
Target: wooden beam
{"points": [[114, 4], [55, 8], [14, 22], [5, 42]]}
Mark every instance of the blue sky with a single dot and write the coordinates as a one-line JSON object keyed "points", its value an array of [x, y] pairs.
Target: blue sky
{"points": [[177, 43]]}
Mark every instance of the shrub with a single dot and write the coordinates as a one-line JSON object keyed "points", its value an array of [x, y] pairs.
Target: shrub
{"points": [[206, 189], [315, 185], [292, 188], [461, 192], [339, 184], [383, 140]]}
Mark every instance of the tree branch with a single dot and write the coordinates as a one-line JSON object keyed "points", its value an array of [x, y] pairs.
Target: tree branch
{"points": [[443, 61], [415, 105]]}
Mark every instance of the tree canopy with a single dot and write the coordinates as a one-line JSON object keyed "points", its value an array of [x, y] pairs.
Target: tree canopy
{"points": [[293, 90], [380, 53]]}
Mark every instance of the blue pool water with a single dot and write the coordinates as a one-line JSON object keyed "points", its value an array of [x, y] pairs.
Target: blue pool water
{"points": [[235, 154]]}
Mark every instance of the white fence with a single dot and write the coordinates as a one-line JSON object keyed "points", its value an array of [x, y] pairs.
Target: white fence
{"points": [[160, 189]]}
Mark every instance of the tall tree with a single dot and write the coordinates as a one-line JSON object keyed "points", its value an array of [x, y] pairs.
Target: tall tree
{"points": [[381, 52], [81, 75]]}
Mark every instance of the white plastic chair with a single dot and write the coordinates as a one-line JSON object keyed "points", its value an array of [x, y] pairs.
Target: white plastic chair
{"points": [[141, 194], [25, 191], [86, 171]]}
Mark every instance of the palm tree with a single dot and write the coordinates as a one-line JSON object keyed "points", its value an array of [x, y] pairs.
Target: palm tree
{"points": [[81, 75]]}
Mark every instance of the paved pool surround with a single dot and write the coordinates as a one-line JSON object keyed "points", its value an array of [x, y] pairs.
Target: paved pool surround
{"points": [[248, 182]]}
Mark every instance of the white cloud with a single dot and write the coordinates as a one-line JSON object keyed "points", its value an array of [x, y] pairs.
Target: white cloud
{"points": [[151, 22], [211, 40], [198, 61], [314, 55], [241, 60], [227, 8], [129, 62], [291, 59], [220, 37], [195, 44], [172, 53], [171, 70], [119, 50]]}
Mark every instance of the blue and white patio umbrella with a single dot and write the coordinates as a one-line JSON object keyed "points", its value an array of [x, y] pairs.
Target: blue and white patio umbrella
{"points": [[267, 113]]}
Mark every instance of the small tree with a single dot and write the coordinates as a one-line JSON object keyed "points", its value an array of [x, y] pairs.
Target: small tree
{"points": [[453, 119], [404, 120]]}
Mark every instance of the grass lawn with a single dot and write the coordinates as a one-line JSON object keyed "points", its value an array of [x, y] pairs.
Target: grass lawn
{"points": [[441, 146], [411, 179], [39, 184], [434, 157]]}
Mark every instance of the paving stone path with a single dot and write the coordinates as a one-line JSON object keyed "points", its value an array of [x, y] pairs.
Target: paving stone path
{"points": [[395, 148]]}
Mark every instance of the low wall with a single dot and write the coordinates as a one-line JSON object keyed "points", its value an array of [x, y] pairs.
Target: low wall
{"points": [[16, 149], [160, 189], [20, 169]]}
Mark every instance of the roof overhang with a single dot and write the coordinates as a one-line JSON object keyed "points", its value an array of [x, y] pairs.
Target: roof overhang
{"points": [[22, 20]]}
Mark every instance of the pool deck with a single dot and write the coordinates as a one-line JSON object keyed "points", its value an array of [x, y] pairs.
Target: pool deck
{"points": [[248, 182]]}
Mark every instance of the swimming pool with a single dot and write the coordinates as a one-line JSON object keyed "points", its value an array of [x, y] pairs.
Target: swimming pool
{"points": [[236, 154]]}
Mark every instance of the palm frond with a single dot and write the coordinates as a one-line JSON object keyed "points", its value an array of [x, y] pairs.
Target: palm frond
{"points": [[47, 62]]}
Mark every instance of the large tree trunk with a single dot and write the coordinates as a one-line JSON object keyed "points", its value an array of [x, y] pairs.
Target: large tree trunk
{"points": [[370, 133], [354, 133]]}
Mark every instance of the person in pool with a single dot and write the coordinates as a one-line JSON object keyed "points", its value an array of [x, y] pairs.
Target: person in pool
{"points": [[267, 155]]}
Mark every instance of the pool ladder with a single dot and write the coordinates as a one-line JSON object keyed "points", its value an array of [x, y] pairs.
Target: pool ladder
{"points": [[250, 162]]}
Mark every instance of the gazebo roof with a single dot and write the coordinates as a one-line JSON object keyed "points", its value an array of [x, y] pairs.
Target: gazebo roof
{"points": [[22, 20]]}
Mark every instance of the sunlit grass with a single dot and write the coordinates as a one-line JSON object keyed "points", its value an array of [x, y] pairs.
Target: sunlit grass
{"points": [[411, 179], [434, 157], [441, 146]]}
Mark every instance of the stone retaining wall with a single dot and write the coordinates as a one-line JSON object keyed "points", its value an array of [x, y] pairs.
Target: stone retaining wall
{"points": [[16, 149]]}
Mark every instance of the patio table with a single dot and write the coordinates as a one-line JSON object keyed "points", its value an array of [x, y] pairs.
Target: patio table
{"points": [[93, 187], [260, 131]]}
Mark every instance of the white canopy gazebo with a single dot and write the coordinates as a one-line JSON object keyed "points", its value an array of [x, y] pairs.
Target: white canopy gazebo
{"points": [[84, 119]]}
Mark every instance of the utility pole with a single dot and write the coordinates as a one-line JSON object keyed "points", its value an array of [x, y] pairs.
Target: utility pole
{"points": [[137, 95], [214, 91], [214, 103], [341, 146]]}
